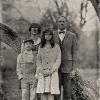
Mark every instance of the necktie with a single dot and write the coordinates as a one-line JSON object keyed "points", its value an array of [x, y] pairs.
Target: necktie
{"points": [[61, 32]]}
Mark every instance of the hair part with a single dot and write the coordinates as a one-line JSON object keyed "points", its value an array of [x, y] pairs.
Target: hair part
{"points": [[61, 17]]}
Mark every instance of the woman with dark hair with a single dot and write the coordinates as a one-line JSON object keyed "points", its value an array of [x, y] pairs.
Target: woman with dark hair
{"points": [[43, 40], [48, 62], [35, 31], [36, 26]]}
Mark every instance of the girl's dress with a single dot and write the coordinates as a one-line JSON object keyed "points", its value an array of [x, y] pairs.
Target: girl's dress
{"points": [[48, 58]]}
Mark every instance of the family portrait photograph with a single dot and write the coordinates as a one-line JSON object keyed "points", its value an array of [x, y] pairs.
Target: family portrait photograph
{"points": [[49, 49]]}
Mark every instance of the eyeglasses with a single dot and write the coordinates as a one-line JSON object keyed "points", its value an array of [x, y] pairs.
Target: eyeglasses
{"points": [[34, 29], [48, 34]]}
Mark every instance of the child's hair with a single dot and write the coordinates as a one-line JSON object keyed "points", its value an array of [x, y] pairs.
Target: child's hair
{"points": [[31, 41], [43, 40], [35, 25]]}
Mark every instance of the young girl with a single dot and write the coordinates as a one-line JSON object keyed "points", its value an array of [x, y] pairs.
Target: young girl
{"points": [[48, 62]]}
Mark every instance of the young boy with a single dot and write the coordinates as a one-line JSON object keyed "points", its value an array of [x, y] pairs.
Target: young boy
{"points": [[26, 68]]}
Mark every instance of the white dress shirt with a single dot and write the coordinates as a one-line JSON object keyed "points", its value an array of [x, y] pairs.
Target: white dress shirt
{"points": [[61, 35]]}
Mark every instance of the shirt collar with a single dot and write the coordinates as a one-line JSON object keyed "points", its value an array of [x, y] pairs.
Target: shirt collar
{"points": [[37, 42], [60, 30]]}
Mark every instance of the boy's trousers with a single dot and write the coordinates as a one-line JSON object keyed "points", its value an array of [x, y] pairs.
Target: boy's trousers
{"points": [[28, 91]]}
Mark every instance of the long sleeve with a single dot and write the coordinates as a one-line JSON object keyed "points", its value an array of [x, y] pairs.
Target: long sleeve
{"points": [[39, 61], [19, 73], [75, 51], [22, 48], [58, 59], [99, 10], [98, 26]]}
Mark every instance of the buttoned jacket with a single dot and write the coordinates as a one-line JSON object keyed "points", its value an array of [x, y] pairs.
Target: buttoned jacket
{"points": [[69, 48]]}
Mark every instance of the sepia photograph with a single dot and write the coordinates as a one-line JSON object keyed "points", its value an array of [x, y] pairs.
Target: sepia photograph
{"points": [[49, 49]]}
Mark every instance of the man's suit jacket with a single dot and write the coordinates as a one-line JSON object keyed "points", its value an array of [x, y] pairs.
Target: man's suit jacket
{"points": [[69, 48]]}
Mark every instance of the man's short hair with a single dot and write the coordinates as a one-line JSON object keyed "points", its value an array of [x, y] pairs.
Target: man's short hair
{"points": [[35, 25], [60, 17]]}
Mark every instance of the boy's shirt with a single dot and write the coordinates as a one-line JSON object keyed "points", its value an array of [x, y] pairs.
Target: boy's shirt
{"points": [[28, 56], [26, 66]]}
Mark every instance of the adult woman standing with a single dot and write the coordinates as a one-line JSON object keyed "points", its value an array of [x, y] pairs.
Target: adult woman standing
{"points": [[35, 31], [48, 62]]}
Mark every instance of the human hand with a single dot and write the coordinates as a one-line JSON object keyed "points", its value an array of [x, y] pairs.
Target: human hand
{"points": [[35, 81], [99, 43], [82, 22], [20, 83], [52, 71], [36, 76], [46, 72]]}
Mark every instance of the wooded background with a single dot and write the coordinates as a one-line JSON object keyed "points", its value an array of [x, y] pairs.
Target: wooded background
{"points": [[19, 14]]}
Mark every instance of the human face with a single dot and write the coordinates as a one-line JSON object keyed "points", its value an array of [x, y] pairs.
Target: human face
{"points": [[34, 31], [48, 36], [28, 46], [85, 2], [61, 23]]}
